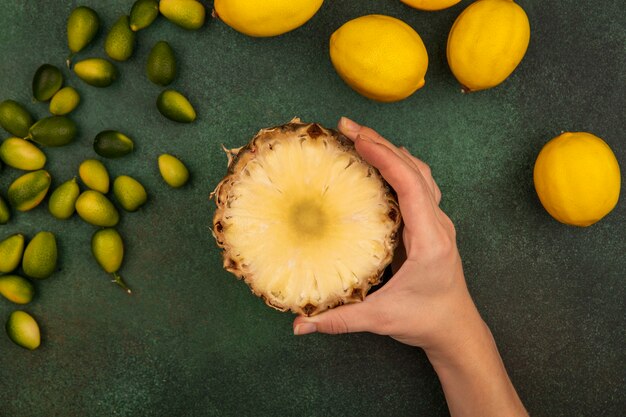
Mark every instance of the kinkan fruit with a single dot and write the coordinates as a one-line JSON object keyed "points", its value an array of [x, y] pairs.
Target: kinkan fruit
{"points": [[14, 118], [107, 248], [173, 171], [53, 131], [40, 256], [64, 101], [23, 330], [62, 202], [27, 191], [161, 66], [120, 42], [188, 14], [176, 107], [94, 208], [46, 82], [112, 144], [97, 72], [143, 13], [22, 154], [94, 175], [82, 26]]}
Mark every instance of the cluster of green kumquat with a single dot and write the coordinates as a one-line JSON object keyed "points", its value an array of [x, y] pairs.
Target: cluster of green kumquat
{"points": [[25, 151]]}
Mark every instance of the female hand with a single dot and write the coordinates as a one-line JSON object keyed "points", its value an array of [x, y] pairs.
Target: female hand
{"points": [[426, 303]]}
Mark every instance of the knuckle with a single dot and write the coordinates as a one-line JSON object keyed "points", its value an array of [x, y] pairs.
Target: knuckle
{"points": [[442, 248], [437, 196], [369, 132], [451, 228], [337, 324], [423, 167]]}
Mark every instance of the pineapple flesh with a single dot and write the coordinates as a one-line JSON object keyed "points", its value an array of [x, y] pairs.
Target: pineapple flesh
{"points": [[303, 219]]}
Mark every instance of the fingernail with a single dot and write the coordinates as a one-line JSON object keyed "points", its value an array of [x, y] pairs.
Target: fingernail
{"points": [[349, 125], [304, 328]]}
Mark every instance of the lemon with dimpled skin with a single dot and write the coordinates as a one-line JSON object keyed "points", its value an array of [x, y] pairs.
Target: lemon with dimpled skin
{"points": [[266, 18], [487, 42], [380, 57], [577, 178], [430, 5]]}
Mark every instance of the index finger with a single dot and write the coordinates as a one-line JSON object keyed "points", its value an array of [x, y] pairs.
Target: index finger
{"points": [[417, 204], [352, 130]]}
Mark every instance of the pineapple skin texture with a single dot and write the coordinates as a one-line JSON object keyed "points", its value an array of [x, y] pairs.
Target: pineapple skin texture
{"points": [[239, 158]]}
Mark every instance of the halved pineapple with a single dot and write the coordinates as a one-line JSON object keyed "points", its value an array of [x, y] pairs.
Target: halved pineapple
{"points": [[305, 221]]}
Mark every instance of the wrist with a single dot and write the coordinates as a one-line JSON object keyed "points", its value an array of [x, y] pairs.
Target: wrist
{"points": [[464, 334], [473, 377], [469, 343]]}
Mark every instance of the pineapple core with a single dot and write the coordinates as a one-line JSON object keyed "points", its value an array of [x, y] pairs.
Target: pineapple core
{"points": [[308, 219], [306, 222]]}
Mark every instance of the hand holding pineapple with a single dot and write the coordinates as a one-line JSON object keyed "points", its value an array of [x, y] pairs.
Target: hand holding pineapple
{"points": [[426, 303], [428, 290]]}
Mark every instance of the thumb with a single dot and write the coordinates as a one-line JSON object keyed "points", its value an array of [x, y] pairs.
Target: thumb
{"points": [[348, 318]]}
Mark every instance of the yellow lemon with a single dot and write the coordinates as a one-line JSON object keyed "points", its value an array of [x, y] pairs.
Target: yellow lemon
{"points": [[379, 56], [487, 42], [577, 178], [430, 4], [266, 18]]}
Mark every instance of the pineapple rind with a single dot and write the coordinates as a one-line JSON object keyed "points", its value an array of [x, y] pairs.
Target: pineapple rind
{"points": [[308, 295]]}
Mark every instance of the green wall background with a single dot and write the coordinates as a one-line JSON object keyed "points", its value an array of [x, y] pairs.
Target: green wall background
{"points": [[193, 341]]}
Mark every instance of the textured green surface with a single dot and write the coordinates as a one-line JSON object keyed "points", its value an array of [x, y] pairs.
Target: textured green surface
{"points": [[193, 341]]}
